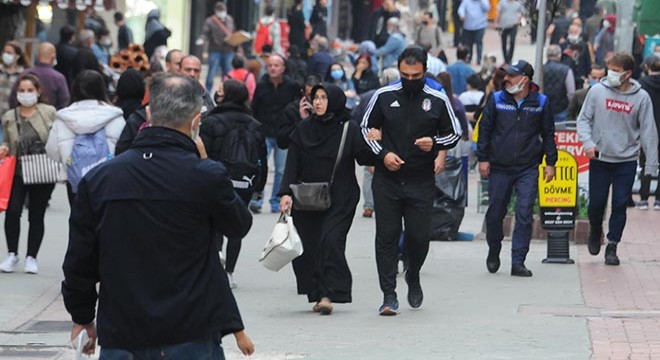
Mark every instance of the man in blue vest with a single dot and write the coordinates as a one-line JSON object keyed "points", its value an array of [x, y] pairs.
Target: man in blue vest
{"points": [[516, 130]]}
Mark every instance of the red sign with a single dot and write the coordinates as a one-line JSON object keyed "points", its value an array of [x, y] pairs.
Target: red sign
{"points": [[568, 140]]}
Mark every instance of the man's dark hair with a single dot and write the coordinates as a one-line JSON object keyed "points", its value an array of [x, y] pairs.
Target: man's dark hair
{"points": [[622, 59], [174, 100], [88, 85], [413, 55], [475, 82], [312, 80], [119, 16], [102, 32], [269, 11], [220, 5], [429, 14], [462, 53], [235, 92], [66, 33], [168, 57], [189, 57], [238, 62], [595, 66], [655, 66]]}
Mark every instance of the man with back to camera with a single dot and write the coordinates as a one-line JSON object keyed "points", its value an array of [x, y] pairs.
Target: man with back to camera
{"points": [[156, 207], [415, 123], [616, 120], [515, 131]]}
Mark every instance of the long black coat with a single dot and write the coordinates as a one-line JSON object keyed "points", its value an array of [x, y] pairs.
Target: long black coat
{"points": [[322, 269], [142, 226]]}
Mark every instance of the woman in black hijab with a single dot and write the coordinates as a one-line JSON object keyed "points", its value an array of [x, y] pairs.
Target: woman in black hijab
{"points": [[130, 92], [322, 272]]}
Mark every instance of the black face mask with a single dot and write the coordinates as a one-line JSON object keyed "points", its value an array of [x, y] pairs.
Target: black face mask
{"points": [[413, 87]]}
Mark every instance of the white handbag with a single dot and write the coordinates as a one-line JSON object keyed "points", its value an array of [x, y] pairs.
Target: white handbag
{"points": [[283, 246]]}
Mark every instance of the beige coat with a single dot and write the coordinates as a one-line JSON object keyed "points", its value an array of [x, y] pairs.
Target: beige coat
{"points": [[41, 121]]}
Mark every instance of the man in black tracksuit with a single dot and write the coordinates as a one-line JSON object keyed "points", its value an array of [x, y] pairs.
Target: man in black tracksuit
{"points": [[515, 131], [415, 122]]}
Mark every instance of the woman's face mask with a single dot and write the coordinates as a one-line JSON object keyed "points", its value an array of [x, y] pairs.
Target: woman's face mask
{"points": [[337, 74], [8, 59], [27, 99]]}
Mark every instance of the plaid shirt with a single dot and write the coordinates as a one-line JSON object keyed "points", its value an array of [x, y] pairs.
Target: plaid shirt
{"points": [[7, 81]]}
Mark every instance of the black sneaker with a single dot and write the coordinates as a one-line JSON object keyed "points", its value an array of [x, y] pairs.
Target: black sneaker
{"points": [[610, 255], [415, 294], [390, 306], [595, 233], [255, 208]]}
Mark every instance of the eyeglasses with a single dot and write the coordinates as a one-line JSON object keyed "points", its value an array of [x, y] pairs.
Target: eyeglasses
{"points": [[321, 98]]}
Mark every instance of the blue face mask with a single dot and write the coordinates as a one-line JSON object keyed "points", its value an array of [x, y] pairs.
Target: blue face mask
{"points": [[337, 74], [592, 82]]}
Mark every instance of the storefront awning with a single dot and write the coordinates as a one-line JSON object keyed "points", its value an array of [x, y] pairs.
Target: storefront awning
{"points": [[68, 4]]}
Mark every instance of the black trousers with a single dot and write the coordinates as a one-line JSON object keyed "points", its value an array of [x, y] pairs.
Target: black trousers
{"points": [[393, 202], [508, 38], [39, 197]]}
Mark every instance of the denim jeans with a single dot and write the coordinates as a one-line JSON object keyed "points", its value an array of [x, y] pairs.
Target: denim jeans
{"points": [[279, 157], [217, 60], [508, 46], [206, 349], [561, 117], [472, 37], [501, 183], [621, 177]]}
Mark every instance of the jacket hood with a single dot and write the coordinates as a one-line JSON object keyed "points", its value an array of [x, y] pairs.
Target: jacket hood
{"points": [[635, 86], [652, 82], [88, 116]]}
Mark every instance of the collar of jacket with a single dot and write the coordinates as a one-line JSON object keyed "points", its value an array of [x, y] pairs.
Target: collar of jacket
{"points": [[532, 98], [163, 137]]}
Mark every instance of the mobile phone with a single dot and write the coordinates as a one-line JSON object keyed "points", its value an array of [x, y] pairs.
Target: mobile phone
{"points": [[597, 155]]}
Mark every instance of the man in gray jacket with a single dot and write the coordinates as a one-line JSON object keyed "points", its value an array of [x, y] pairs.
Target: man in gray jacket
{"points": [[616, 118]]}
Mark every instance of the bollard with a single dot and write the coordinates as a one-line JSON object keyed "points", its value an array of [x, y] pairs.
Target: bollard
{"points": [[558, 248]]}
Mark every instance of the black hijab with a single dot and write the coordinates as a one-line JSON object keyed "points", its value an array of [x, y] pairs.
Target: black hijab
{"points": [[313, 134], [130, 91]]}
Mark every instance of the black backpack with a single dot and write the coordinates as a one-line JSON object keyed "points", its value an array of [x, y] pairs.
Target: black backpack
{"points": [[239, 153]]}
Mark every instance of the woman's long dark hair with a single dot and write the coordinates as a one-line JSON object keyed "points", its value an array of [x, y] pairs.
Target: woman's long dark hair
{"points": [[88, 85], [445, 79]]}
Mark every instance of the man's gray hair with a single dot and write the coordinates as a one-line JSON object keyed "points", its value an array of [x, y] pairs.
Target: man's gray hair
{"points": [[174, 100], [323, 43], [391, 74], [553, 51], [85, 35]]}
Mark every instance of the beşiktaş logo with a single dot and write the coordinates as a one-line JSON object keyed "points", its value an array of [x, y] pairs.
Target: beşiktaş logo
{"points": [[618, 106], [426, 105]]}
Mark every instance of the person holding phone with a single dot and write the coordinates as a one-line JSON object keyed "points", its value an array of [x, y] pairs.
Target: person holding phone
{"points": [[296, 111]]}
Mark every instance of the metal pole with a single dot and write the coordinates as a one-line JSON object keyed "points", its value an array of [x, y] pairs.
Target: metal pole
{"points": [[623, 36], [540, 42]]}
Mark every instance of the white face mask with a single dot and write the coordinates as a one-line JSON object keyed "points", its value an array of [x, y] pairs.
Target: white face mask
{"points": [[606, 24], [515, 89], [54, 62], [614, 78], [27, 99], [573, 37], [106, 42], [221, 14], [8, 59]]}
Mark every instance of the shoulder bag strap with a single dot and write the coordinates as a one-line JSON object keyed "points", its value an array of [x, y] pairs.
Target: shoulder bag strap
{"points": [[221, 25], [19, 125], [340, 152]]}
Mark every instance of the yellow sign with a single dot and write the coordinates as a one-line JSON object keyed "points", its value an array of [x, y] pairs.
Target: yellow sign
{"points": [[561, 192]]}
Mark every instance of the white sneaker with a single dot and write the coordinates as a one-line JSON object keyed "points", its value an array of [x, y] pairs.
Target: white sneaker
{"points": [[31, 266], [232, 282], [642, 205], [656, 205], [9, 264]]}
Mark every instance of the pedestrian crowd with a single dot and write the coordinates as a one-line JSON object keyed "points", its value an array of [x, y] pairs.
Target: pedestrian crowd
{"points": [[165, 170]]}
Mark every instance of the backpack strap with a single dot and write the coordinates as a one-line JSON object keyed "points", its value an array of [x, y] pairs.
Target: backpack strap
{"points": [[340, 152]]}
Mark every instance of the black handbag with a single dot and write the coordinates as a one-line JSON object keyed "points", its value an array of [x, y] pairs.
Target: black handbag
{"points": [[316, 196]]}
